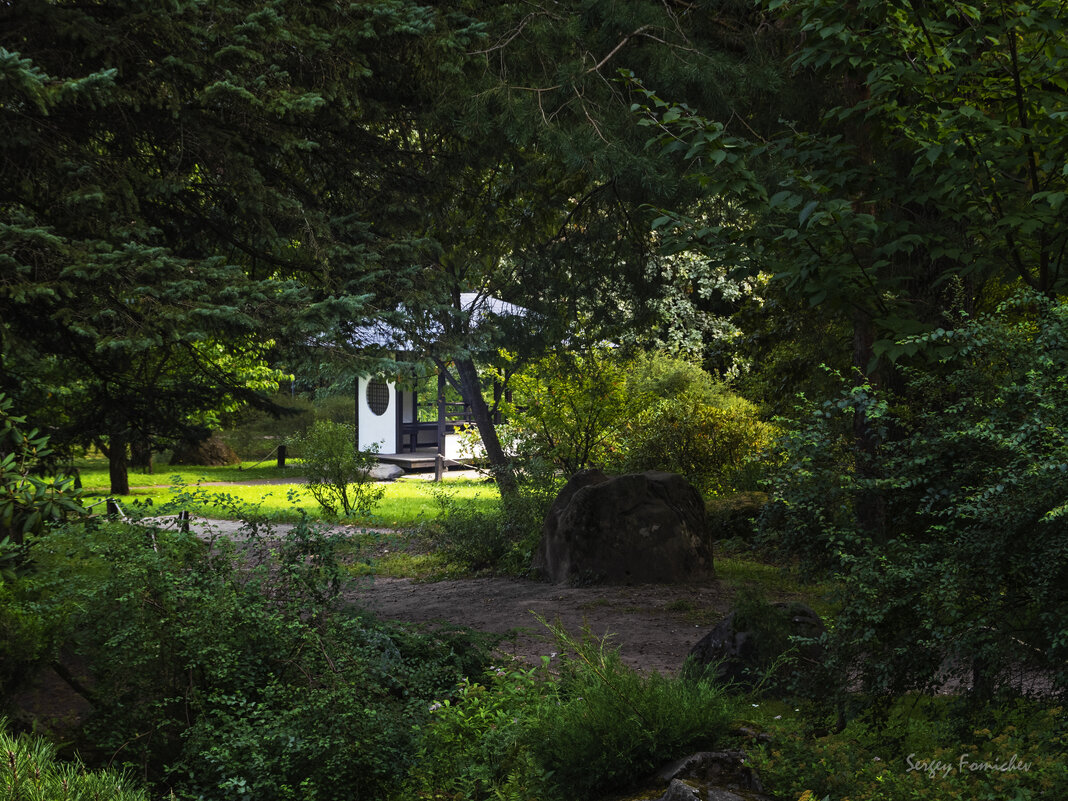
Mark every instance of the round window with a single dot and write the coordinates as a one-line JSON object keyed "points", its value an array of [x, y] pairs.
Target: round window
{"points": [[377, 396]]}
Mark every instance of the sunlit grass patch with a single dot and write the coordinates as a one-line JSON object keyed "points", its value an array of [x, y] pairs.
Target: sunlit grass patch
{"points": [[95, 477], [406, 504], [401, 564], [395, 554]]}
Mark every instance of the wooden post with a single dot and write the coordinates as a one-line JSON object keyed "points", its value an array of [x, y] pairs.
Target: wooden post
{"points": [[439, 467], [441, 411], [282, 455], [183, 521], [113, 507]]}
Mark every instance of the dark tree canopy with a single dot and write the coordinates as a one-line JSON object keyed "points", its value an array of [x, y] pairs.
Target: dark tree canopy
{"points": [[180, 179]]}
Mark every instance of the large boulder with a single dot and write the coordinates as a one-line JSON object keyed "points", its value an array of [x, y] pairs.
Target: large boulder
{"points": [[632, 529]]}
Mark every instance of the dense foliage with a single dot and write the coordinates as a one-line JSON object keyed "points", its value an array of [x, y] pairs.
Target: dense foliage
{"points": [[949, 542], [231, 669], [629, 413], [28, 502]]}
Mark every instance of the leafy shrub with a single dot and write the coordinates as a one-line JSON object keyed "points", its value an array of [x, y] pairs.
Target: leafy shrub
{"points": [[628, 414], [653, 377], [28, 505], [29, 771], [465, 535], [503, 540], [716, 449], [615, 726], [338, 473], [346, 734], [568, 407], [949, 533], [475, 745], [232, 670], [589, 726]]}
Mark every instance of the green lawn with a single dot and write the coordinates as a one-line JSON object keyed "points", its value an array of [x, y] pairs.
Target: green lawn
{"points": [[407, 502], [94, 474]]}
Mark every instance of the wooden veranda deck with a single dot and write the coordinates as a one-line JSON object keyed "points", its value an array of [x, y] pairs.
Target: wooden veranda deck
{"points": [[419, 460]]}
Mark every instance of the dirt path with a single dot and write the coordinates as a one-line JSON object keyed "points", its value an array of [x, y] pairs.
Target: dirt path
{"points": [[654, 626]]}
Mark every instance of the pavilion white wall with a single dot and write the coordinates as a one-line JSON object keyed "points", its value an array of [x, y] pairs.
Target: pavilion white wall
{"points": [[376, 428]]}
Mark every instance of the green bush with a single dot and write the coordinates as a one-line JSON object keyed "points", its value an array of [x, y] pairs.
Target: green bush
{"points": [[653, 377], [629, 414], [502, 540], [718, 450], [570, 730], [568, 408], [28, 506], [338, 473], [27, 503], [29, 771]]}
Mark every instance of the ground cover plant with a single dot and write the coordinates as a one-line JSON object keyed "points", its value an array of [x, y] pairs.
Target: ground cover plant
{"points": [[928, 749]]}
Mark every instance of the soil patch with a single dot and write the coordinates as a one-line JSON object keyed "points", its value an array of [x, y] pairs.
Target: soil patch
{"points": [[654, 626]]}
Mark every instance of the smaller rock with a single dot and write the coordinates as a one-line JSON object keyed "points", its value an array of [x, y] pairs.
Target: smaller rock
{"points": [[746, 644], [680, 791], [723, 770], [711, 776], [386, 472]]}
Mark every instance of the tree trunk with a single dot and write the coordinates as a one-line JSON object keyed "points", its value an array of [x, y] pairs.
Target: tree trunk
{"points": [[120, 481], [499, 462]]}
